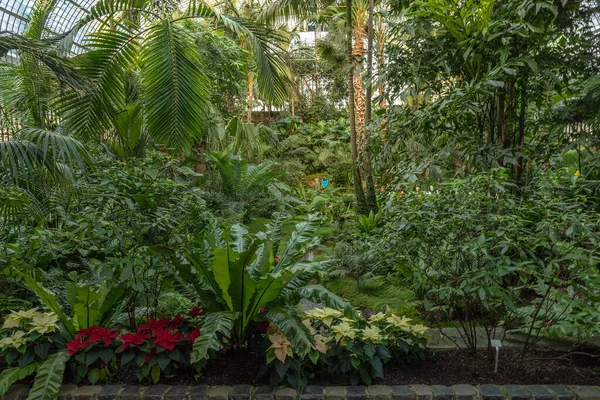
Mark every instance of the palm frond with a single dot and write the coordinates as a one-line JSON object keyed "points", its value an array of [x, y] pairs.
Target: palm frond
{"points": [[176, 89], [267, 48], [91, 113]]}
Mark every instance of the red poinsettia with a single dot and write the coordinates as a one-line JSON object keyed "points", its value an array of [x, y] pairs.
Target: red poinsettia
{"points": [[76, 345], [133, 339], [167, 339], [155, 326], [176, 321], [195, 312], [100, 334], [152, 352], [193, 335]]}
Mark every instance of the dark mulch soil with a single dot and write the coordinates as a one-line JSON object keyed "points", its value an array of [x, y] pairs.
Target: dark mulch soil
{"points": [[443, 368]]}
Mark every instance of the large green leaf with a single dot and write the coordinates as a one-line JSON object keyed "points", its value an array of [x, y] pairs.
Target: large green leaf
{"points": [[49, 377], [267, 290], [175, 87], [12, 375], [49, 300], [216, 325], [222, 275], [242, 285]]}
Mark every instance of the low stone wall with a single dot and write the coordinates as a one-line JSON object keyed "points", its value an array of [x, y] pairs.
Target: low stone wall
{"points": [[246, 392]]}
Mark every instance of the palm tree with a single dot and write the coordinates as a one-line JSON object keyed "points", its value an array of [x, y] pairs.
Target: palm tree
{"points": [[352, 19]]}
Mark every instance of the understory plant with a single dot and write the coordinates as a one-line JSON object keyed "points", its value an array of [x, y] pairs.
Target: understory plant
{"points": [[89, 306], [31, 343], [243, 279], [479, 253], [161, 347], [349, 350]]}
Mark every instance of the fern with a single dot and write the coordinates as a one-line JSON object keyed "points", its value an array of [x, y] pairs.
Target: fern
{"points": [[11, 375], [49, 377], [215, 325]]}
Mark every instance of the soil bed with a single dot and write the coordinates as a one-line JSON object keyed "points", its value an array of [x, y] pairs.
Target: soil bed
{"points": [[442, 368]]}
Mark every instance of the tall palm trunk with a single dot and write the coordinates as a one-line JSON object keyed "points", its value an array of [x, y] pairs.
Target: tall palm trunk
{"points": [[250, 95], [371, 195], [361, 201], [359, 93]]}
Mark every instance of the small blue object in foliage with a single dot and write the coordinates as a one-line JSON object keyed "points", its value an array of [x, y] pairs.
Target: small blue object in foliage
{"points": [[324, 182]]}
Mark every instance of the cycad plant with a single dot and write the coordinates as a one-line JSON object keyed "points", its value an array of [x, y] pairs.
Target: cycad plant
{"points": [[36, 168], [243, 279]]}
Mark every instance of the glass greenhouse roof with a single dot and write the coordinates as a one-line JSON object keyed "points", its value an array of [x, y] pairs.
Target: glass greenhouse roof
{"points": [[15, 14]]}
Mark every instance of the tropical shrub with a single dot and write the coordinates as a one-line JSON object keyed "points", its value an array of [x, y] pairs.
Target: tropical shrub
{"points": [[161, 346], [346, 349], [93, 354], [32, 343], [240, 279], [246, 189], [480, 253]]}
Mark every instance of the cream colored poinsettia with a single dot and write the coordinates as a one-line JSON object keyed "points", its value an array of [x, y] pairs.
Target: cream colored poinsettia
{"points": [[44, 323], [15, 318], [306, 322], [281, 347], [399, 322], [320, 344], [342, 330], [16, 339], [377, 317], [325, 315], [419, 329], [372, 334]]}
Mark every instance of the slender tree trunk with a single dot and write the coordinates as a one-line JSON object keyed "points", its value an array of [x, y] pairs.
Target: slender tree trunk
{"points": [[250, 95], [501, 117], [371, 195], [361, 201], [521, 140], [381, 61]]}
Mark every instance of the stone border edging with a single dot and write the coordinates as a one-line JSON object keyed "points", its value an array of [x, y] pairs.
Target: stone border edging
{"points": [[376, 392]]}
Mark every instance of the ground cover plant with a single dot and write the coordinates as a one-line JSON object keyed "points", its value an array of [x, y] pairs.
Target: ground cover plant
{"points": [[313, 188]]}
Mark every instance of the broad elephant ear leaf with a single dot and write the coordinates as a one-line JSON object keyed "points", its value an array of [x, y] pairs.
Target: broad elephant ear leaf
{"points": [[12, 375], [216, 326], [49, 377]]}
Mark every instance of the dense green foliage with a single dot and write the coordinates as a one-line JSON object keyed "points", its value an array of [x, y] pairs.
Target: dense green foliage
{"points": [[199, 182]]}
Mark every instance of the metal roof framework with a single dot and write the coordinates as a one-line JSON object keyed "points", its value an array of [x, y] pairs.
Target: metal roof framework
{"points": [[15, 16]]}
